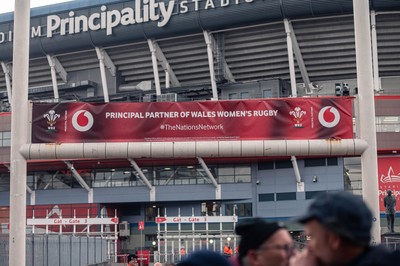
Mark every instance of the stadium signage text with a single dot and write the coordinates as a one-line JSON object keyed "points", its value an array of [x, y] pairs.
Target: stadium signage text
{"points": [[303, 118], [197, 219], [143, 11]]}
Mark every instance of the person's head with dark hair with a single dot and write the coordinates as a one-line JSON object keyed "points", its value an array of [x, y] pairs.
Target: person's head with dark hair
{"points": [[132, 259], [263, 243], [338, 225], [389, 192], [342, 213], [204, 258]]}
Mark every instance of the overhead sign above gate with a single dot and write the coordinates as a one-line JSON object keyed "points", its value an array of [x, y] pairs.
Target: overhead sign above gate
{"points": [[261, 119], [72, 221], [197, 219]]}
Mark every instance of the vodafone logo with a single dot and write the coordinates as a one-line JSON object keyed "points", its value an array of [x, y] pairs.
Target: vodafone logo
{"points": [[82, 120], [329, 116]]}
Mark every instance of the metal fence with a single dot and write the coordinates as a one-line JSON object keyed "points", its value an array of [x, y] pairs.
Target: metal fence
{"points": [[392, 242], [58, 250]]}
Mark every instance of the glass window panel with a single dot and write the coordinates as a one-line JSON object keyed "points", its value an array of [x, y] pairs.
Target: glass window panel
{"points": [[226, 170], [245, 95], [6, 142], [332, 161], [314, 162], [286, 196], [387, 124], [313, 194], [283, 164], [267, 93], [266, 197], [233, 96], [242, 170], [242, 209], [4, 182], [266, 165], [243, 178], [226, 179]]}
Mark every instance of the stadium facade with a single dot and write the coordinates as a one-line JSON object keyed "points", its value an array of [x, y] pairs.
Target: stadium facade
{"points": [[146, 63]]}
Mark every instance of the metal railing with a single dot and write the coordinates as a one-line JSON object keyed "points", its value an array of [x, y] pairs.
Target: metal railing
{"points": [[57, 250]]}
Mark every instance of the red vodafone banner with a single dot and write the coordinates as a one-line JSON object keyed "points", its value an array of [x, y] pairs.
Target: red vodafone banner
{"points": [[389, 178], [289, 118]]}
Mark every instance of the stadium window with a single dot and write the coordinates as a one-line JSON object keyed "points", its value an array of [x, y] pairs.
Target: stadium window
{"points": [[267, 93], [283, 164], [152, 212], [332, 161], [286, 196], [150, 238], [244, 95], [266, 165], [388, 124], [313, 162], [5, 139], [232, 96], [242, 173], [266, 197], [4, 182], [313, 194], [234, 173], [210, 208], [242, 209]]}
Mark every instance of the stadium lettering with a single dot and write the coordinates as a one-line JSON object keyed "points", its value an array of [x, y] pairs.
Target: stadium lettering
{"points": [[144, 11]]}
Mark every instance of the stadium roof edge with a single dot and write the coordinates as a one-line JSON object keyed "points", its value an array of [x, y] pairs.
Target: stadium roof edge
{"points": [[54, 8]]}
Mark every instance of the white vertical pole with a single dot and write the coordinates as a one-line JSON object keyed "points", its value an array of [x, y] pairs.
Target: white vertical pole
{"points": [[19, 135], [141, 247], [377, 85], [369, 163]]}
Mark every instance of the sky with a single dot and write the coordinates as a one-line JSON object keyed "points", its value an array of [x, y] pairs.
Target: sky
{"points": [[8, 5]]}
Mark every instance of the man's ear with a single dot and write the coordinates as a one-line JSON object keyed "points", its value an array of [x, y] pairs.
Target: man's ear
{"points": [[251, 256], [334, 241]]}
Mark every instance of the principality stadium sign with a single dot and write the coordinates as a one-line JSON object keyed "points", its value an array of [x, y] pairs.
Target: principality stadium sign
{"points": [[141, 11]]}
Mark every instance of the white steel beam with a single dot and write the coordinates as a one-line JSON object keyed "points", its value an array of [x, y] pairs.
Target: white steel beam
{"points": [[290, 58], [77, 176], [165, 65], [52, 64], [211, 177], [154, 61], [58, 67], [296, 169], [171, 150], [7, 74], [144, 179], [101, 54], [208, 39], [299, 59]]}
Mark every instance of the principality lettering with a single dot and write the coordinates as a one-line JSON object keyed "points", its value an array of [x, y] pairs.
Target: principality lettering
{"points": [[141, 11]]}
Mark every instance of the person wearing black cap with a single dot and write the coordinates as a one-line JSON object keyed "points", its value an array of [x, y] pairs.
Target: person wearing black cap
{"points": [[339, 226], [204, 258], [132, 260], [390, 205], [263, 243]]}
